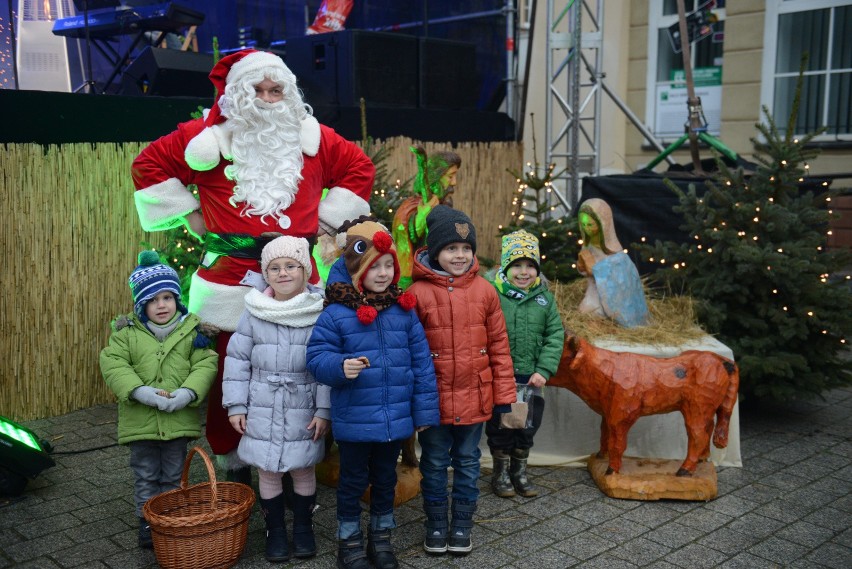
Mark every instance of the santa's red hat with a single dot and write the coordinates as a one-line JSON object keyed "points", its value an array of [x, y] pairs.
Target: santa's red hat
{"points": [[202, 152]]}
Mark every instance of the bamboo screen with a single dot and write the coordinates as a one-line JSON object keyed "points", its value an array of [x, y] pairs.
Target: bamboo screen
{"points": [[70, 240]]}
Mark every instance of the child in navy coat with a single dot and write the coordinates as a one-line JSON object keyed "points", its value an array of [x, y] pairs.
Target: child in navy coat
{"points": [[369, 346]]}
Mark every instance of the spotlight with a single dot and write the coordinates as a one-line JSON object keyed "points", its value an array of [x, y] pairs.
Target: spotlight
{"points": [[22, 456]]}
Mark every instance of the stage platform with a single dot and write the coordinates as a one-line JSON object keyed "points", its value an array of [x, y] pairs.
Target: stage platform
{"points": [[59, 118]]}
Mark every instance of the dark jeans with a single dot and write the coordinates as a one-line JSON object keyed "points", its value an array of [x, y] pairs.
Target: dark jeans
{"points": [[450, 445], [157, 467], [363, 464], [508, 439]]}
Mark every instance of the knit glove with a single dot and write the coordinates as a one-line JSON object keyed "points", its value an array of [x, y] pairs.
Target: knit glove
{"points": [[148, 395], [180, 398]]}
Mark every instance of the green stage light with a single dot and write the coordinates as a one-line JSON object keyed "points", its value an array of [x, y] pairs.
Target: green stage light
{"points": [[22, 456]]}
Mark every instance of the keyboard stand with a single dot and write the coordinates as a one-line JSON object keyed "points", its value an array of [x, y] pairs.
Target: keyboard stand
{"points": [[125, 57]]}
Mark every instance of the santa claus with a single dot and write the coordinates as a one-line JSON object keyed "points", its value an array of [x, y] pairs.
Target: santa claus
{"points": [[260, 161]]}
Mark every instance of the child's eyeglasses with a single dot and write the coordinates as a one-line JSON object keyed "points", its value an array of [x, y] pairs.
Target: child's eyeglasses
{"points": [[289, 269]]}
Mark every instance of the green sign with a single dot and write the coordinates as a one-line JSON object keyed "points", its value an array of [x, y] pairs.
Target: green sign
{"points": [[703, 77]]}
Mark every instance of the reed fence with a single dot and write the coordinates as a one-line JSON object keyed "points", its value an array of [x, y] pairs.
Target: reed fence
{"points": [[70, 241]]}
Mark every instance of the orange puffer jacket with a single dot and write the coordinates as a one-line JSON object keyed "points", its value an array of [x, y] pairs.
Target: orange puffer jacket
{"points": [[467, 337]]}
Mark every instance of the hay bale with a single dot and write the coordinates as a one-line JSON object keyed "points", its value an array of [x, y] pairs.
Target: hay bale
{"points": [[672, 318]]}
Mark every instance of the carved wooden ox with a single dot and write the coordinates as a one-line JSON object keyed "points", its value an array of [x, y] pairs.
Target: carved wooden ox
{"points": [[621, 387]]}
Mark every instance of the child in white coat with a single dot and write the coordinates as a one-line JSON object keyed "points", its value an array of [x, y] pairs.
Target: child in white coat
{"points": [[272, 400]]}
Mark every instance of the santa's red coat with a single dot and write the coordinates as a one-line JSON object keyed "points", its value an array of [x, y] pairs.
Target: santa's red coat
{"points": [[161, 174]]}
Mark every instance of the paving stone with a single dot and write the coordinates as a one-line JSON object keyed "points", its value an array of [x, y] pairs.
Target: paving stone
{"points": [[640, 551], [731, 506], [30, 549], [607, 561], [748, 561], [696, 556], [651, 515], [805, 533], [546, 559], [832, 555], [829, 518], [583, 545], [59, 522], [778, 550], [595, 512], [674, 534], [705, 520], [619, 530]]}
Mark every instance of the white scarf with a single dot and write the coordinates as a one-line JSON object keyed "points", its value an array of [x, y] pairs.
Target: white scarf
{"points": [[298, 312]]}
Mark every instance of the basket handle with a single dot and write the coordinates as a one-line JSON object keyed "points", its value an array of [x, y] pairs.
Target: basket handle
{"points": [[211, 473]]}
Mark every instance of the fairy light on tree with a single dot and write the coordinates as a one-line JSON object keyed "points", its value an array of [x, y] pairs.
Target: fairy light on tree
{"points": [[533, 211], [761, 270]]}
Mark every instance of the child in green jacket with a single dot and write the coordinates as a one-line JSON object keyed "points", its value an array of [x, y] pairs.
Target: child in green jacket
{"points": [[536, 338], [160, 369]]}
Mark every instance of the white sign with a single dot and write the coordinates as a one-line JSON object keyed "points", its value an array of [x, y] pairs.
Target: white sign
{"points": [[672, 111]]}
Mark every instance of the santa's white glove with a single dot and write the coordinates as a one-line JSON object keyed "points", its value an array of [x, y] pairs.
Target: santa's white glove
{"points": [[150, 396], [180, 398]]}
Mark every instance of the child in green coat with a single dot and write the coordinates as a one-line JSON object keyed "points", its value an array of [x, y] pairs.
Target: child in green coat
{"points": [[160, 369], [536, 338]]}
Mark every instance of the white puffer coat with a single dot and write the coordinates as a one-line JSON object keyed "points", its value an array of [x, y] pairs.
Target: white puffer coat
{"points": [[266, 379]]}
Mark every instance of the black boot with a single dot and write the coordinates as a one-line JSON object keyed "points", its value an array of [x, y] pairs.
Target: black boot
{"points": [[241, 475], [518, 473], [304, 544], [500, 483], [350, 553], [436, 527], [277, 548], [145, 540], [380, 550], [459, 542]]}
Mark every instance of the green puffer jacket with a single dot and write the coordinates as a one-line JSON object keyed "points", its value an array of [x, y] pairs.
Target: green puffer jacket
{"points": [[135, 357], [536, 335]]}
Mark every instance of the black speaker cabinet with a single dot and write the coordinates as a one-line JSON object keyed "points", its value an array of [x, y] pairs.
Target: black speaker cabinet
{"points": [[339, 68], [447, 74], [168, 73]]}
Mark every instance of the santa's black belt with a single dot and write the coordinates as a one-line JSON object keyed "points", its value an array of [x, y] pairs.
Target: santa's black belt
{"points": [[241, 245]]}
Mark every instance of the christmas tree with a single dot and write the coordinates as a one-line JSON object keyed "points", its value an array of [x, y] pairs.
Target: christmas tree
{"points": [[757, 262], [388, 190], [533, 211], [182, 251]]}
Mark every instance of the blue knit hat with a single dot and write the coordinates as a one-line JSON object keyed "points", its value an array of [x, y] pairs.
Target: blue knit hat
{"points": [[151, 278]]}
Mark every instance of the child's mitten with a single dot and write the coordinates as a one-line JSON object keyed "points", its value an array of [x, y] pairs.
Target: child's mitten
{"points": [[180, 398]]}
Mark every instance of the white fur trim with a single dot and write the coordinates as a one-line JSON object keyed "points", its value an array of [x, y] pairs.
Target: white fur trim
{"points": [[338, 206], [310, 135], [259, 60], [217, 304], [202, 152], [223, 138], [164, 205]]}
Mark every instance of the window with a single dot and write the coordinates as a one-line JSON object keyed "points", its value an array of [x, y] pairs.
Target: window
{"points": [[823, 30], [666, 109]]}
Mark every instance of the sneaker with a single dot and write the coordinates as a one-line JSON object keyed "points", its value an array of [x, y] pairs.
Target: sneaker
{"points": [[145, 539]]}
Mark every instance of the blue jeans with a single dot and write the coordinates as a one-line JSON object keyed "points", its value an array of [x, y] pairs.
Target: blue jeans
{"points": [[445, 446], [363, 464]]}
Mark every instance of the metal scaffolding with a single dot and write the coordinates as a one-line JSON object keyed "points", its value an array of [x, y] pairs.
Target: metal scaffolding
{"points": [[573, 61], [576, 84]]}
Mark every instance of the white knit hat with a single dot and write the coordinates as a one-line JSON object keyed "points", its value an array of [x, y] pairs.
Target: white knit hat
{"points": [[295, 248]]}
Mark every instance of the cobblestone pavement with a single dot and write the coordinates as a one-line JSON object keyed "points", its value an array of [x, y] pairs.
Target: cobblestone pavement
{"points": [[789, 506]]}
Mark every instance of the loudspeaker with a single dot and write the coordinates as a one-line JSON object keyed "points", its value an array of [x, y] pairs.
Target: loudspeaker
{"points": [[339, 68], [447, 74], [168, 73]]}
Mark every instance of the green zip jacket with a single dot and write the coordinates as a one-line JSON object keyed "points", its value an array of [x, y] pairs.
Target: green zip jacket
{"points": [[536, 335], [135, 357]]}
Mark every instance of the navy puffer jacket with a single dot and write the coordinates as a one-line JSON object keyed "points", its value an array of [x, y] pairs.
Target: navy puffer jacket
{"points": [[392, 396]]}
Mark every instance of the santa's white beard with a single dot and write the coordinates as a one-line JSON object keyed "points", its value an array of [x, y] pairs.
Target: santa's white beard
{"points": [[267, 156]]}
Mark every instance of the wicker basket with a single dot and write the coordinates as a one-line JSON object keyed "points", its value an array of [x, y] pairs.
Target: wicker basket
{"points": [[201, 526]]}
